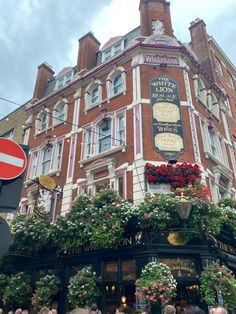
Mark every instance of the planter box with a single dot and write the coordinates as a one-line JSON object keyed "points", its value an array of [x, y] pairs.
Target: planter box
{"points": [[158, 188]]}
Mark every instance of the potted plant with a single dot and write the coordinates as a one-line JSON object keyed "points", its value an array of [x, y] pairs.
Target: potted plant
{"points": [[83, 288], [218, 280], [18, 292], [46, 288], [156, 284]]}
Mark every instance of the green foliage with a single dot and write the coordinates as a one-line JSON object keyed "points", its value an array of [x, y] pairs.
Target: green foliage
{"points": [[105, 197], [4, 279], [46, 288], [218, 278], [100, 223], [83, 289], [31, 233], [206, 219], [156, 283], [17, 293], [228, 205], [157, 212]]}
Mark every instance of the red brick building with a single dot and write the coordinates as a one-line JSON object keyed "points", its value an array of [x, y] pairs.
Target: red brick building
{"points": [[98, 123]]}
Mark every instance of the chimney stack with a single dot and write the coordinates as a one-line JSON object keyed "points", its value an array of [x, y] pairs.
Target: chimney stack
{"points": [[87, 56], [199, 39], [45, 73], [155, 17]]}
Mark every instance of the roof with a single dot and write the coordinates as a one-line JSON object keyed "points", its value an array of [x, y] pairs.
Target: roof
{"points": [[111, 42]]}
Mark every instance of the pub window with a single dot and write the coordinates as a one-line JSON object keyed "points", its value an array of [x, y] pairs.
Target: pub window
{"points": [[128, 270], [121, 186], [111, 271]]}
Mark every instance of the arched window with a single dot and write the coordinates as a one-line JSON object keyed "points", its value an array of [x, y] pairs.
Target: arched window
{"points": [[60, 112], [42, 121], [93, 94], [116, 82], [117, 87]]}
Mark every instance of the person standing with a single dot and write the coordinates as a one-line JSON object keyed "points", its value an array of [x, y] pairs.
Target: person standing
{"points": [[169, 309], [219, 310]]}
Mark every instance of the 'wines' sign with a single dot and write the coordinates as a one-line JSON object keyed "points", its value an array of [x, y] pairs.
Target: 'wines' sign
{"points": [[166, 117]]}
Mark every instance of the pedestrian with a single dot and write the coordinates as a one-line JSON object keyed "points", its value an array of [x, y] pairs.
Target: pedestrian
{"points": [[192, 309], [54, 311], [1, 311], [18, 311], [219, 310], [44, 310], [169, 309], [25, 312], [94, 309], [119, 311]]}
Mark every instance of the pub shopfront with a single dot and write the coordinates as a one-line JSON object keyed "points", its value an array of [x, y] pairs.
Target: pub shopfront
{"points": [[119, 268]]}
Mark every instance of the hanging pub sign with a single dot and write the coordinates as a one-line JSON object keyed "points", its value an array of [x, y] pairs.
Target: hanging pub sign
{"points": [[166, 117]]}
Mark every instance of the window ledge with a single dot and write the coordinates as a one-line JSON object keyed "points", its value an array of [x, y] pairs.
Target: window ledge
{"points": [[88, 108], [116, 95], [103, 154], [209, 155]]}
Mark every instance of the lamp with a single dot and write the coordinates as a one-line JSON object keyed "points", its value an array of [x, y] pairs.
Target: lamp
{"points": [[183, 207], [123, 299]]}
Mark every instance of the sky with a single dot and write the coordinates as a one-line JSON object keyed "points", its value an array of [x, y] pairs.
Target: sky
{"points": [[37, 31]]}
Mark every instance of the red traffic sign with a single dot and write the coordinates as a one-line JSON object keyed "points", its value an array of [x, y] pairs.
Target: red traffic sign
{"points": [[13, 160]]}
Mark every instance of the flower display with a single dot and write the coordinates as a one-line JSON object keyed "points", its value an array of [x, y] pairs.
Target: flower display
{"points": [[46, 288], [156, 283], [83, 288], [18, 292], [197, 190], [215, 278], [31, 233], [179, 175]]}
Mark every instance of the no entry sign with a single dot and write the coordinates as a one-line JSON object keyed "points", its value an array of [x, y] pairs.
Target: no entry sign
{"points": [[12, 159]]}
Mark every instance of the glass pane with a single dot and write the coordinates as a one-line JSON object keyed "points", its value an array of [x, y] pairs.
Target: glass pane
{"points": [[117, 84], [104, 144], [129, 270], [94, 96], [111, 271], [120, 183]]}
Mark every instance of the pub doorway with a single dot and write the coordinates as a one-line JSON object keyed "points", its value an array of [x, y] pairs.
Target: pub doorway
{"points": [[187, 294]]}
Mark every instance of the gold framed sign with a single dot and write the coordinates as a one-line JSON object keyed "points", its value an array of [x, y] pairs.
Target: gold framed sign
{"points": [[166, 117]]}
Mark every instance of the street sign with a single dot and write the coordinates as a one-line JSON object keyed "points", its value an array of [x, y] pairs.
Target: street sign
{"points": [[12, 159], [10, 190]]}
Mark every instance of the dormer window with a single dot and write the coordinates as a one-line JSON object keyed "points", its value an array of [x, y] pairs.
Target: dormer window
{"points": [[107, 55], [117, 48], [63, 80], [113, 50]]}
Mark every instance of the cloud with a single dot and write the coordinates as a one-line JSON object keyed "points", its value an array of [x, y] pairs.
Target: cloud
{"points": [[34, 31]]}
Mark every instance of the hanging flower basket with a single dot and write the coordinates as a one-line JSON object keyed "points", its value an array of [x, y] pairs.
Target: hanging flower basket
{"points": [[156, 284], [83, 288], [46, 288], [215, 280]]}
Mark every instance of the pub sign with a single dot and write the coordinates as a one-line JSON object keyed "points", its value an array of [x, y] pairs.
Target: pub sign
{"points": [[166, 117]]}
